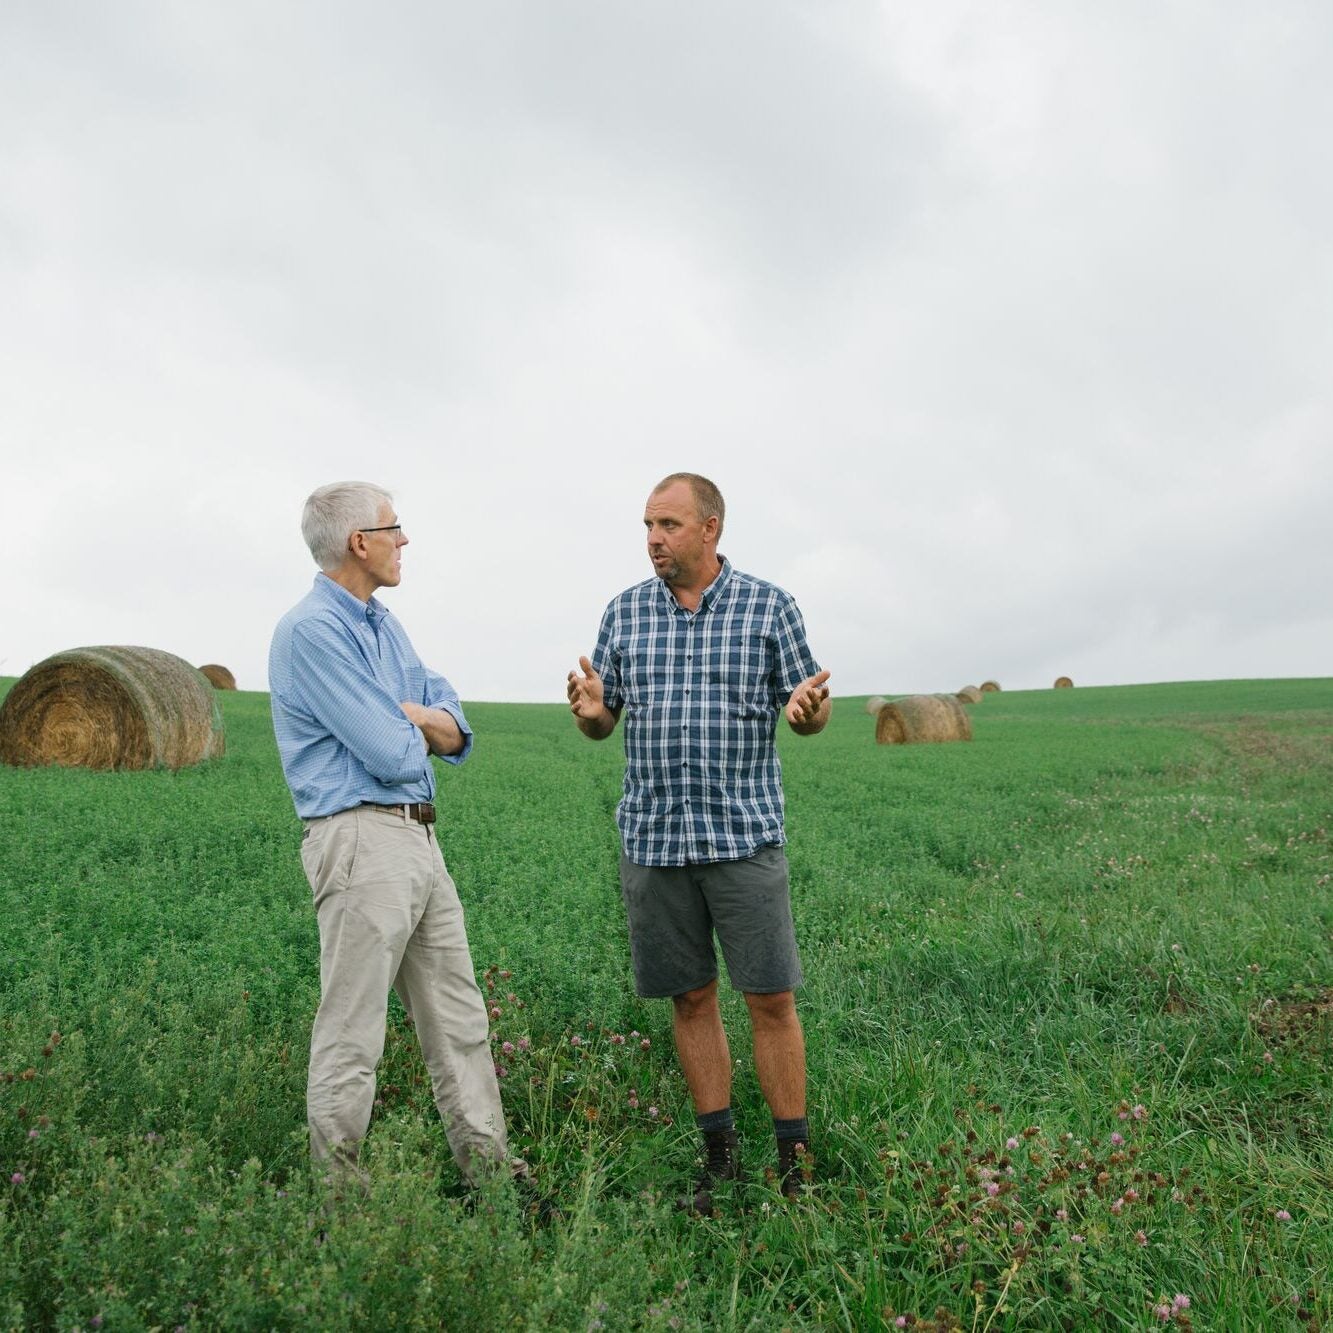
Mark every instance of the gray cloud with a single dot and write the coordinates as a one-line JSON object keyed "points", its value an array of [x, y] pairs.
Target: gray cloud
{"points": [[1004, 331]]}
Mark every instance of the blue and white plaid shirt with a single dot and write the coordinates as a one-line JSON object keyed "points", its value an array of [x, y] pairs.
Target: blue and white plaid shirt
{"points": [[337, 670], [701, 692]]}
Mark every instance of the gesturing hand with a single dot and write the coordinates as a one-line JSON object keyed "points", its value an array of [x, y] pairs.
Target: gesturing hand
{"points": [[586, 697], [808, 700]]}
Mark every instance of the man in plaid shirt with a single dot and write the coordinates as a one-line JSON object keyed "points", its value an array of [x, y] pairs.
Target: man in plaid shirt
{"points": [[701, 659]]}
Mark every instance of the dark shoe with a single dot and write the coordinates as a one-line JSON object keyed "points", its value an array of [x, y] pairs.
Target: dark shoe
{"points": [[540, 1207], [795, 1167], [721, 1162]]}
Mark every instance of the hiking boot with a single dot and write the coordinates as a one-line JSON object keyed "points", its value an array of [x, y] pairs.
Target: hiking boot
{"points": [[721, 1162], [795, 1168]]}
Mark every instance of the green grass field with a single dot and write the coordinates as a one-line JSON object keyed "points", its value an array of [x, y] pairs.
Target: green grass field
{"points": [[1069, 1009]]}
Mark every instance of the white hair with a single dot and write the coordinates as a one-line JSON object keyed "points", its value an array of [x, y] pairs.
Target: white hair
{"points": [[334, 512]]}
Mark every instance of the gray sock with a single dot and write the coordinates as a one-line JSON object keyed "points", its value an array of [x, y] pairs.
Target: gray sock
{"points": [[715, 1121], [792, 1129]]}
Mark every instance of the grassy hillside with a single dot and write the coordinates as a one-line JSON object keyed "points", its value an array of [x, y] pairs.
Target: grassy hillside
{"points": [[1067, 1007]]}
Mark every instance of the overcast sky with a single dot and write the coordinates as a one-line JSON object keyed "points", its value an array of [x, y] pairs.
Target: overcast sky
{"points": [[1005, 329]]}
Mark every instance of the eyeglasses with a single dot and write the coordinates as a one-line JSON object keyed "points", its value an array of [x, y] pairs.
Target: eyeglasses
{"points": [[392, 527]]}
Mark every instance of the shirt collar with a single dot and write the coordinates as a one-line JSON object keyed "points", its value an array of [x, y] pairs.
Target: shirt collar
{"points": [[710, 594], [349, 607]]}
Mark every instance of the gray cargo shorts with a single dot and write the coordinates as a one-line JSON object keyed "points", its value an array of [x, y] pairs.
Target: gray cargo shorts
{"points": [[673, 912]]}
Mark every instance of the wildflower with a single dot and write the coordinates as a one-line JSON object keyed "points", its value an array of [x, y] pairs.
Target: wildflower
{"points": [[1140, 1237], [1062, 1214], [523, 1043], [495, 1011], [900, 1322], [645, 1044], [16, 1178], [1163, 1312], [617, 1039], [992, 1188], [1011, 1143], [508, 1048], [576, 1040], [1139, 1111], [1282, 1215], [652, 1113], [501, 1071], [1181, 1302], [34, 1134], [1117, 1138], [1019, 1228], [633, 1103], [1118, 1207], [1077, 1239], [1267, 1057], [1175, 948]]}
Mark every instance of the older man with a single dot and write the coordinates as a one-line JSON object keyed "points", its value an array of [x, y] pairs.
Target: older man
{"points": [[702, 659], [357, 717]]}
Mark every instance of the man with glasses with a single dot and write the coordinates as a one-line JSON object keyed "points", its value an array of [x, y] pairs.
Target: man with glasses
{"points": [[357, 717]]}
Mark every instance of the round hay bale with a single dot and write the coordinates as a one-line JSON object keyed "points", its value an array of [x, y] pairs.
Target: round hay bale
{"points": [[111, 708], [219, 677], [874, 704], [990, 687], [1063, 683], [969, 694], [923, 717]]}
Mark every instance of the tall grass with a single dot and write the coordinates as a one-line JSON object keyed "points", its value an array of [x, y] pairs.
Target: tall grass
{"points": [[1067, 1009]]}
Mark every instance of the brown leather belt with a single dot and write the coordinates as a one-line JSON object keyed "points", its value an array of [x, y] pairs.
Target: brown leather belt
{"points": [[423, 813]]}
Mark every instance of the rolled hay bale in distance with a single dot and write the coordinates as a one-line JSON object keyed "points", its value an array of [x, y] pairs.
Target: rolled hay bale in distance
{"points": [[969, 694], [990, 687], [219, 677], [923, 717], [111, 707], [874, 704], [1063, 683]]}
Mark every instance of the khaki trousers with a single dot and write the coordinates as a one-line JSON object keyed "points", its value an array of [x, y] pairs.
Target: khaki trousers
{"points": [[389, 916]]}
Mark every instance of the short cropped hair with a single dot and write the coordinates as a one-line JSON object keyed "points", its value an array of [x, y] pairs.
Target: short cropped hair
{"points": [[334, 512], [708, 501]]}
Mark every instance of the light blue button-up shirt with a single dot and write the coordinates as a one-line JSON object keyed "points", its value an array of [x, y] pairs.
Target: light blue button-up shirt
{"points": [[338, 669]]}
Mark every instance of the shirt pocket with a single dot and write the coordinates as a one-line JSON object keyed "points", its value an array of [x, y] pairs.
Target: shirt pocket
{"points": [[740, 672]]}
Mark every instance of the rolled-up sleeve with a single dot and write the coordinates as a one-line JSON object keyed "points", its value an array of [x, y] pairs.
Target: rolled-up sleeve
{"points": [[440, 694]]}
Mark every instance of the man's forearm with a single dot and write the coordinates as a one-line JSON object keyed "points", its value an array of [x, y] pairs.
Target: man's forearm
{"points": [[443, 734], [597, 728]]}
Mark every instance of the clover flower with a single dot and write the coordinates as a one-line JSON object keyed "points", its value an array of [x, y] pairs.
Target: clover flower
{"points": [[1282, 1215]]}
